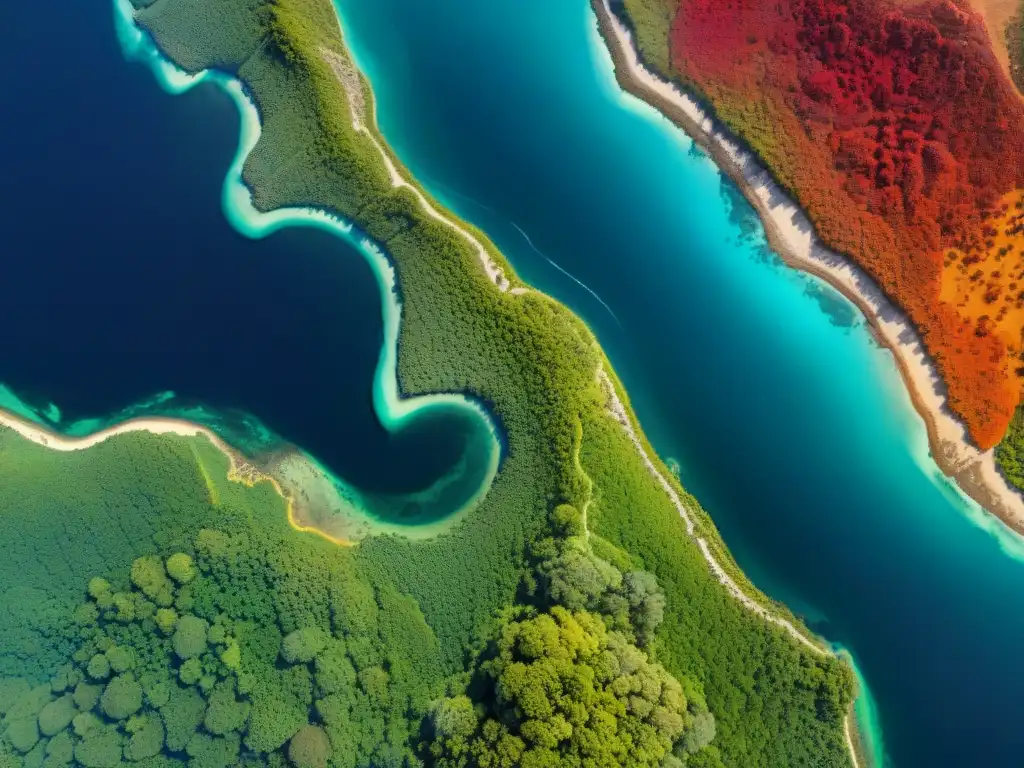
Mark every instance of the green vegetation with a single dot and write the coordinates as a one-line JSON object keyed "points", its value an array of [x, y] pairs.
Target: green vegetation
{"points": [[650, 21], [277, 648], [563, 681], [774, 703], [270, 628], [254, 644], [1010, 451], [544, 665]]}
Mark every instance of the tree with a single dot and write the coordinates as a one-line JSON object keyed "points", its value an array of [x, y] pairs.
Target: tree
{"points": [[150, 576], [225, 713], [180, 568], [559, 686], [700, 734], [309, 748], [646, 602], [302, 645], [99, 667], [189, 638], [57, 715], [122, 697], [101, 748], [147, 737], [576, 578]]}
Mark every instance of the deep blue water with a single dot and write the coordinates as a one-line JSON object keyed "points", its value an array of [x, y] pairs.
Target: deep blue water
{"points": [[790, 425], [122, 279]]}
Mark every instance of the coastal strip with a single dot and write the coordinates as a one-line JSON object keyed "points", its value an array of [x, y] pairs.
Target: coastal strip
{"points": [[791, 235], [240, 470], [348, 76], [618, 411], [350, 81]]}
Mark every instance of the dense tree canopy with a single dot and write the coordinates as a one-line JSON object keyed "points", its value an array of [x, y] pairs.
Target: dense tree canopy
{"points": [[558, 689]]}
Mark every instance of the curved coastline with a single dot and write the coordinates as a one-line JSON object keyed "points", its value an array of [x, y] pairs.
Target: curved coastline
{"points": [[392, 409], [239, 470], [860, 728], [334, 509], [791, 235]]}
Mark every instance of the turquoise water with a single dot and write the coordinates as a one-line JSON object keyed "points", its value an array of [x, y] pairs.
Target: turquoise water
{"points": [[789, 423]]}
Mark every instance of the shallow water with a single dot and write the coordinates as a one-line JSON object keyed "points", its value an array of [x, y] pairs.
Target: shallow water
{"points": [[791, 426], [125, 283]]}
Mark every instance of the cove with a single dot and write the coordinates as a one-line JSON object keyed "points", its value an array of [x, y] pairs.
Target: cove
{"points": [[131, 295], [789, 424]]}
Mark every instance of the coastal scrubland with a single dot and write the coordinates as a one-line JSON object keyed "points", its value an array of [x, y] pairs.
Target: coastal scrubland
{"points": [[894, 127], [158, 613]]}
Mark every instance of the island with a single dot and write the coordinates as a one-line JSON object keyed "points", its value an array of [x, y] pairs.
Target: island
{"points": [[164, 605]]}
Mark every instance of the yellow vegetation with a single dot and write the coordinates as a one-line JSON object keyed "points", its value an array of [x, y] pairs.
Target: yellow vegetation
{"points": [[987, 286]]}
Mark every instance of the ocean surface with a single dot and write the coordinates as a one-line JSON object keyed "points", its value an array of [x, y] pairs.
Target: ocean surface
{"points": [[126, 291], [790, 425], [123, 281]]}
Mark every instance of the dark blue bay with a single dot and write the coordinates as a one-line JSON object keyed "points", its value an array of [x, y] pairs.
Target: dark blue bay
{"points": [[122, 279]]}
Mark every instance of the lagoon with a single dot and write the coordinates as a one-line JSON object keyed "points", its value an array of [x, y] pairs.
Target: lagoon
{"points": [[790, 425]]}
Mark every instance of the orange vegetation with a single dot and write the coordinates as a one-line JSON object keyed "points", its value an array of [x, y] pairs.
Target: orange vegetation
{"points": [[899, 134], [986, 282]]}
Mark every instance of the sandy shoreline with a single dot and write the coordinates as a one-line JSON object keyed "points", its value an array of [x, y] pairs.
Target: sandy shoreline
{"points": [[791, 235], [240, 470], [158, 426], [618, 411]]}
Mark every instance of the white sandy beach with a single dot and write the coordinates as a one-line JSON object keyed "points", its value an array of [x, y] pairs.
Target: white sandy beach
{"points": [[792, 236], [57, 442], [344, 69]]}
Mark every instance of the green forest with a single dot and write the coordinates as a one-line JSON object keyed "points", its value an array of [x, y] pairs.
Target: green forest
{"points": [[158, 614]]}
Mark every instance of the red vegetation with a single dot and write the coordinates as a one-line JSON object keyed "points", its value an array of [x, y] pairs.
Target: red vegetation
{"points": [[897, 132]]}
